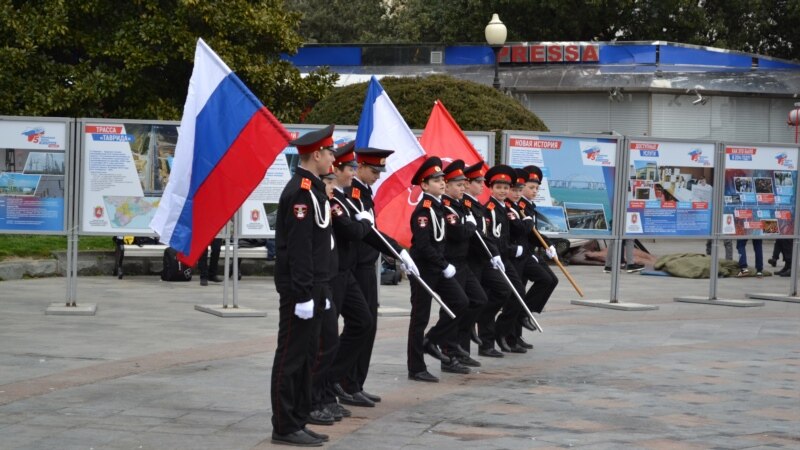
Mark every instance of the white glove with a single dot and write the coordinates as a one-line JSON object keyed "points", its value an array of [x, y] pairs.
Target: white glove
{"points": [[304, 310], [365, 215], [519, 251], [528, 218], [551, 252], [534, 258], [497, 263], [327, 304], [471, 219], [408, 263], [449, 271]]}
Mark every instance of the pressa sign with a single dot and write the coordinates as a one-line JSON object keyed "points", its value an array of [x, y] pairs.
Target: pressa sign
{"points": [[550, 53]]}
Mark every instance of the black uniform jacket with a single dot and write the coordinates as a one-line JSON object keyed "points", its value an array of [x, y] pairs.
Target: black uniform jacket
{"points": [[303, 248], [428, 235]]}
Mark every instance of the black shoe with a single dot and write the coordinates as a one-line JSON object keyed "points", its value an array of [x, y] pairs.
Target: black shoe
{"points": [[341, 393], [215, 279], [456, 352], [299, 439], [333, 412], [773, 262], [633, 268], [423, 376], [474, 337], [203, 282], [433, 350], [527, 323], [518, 349], [339, 409], [358, 399], [373, 397], [503, 344], [455, 367], [320, 417], [468, 361], [490, 353], [523, 344], [314, 434], [785, 272]]}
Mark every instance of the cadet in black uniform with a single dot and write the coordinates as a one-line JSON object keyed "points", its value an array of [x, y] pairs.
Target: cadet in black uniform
{"points": [[536, 270], [484, 266], [428, 250], [461, 227], [303, 242], [371, 162], [351, 229], [498, 223]]}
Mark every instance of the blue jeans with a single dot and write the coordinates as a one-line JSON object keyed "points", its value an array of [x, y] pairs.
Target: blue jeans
{"points": [[741, 245]]}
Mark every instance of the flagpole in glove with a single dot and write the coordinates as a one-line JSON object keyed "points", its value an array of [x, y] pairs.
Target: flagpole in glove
{"points": [[510, 285], [418, 277], [569, 277]]}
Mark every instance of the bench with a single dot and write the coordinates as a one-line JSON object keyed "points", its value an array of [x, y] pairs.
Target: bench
{"points": [[156, 252]]}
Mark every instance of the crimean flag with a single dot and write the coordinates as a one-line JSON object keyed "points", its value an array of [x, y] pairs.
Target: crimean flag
{"points": [[443, 137], [382, 126], [227, 140]]}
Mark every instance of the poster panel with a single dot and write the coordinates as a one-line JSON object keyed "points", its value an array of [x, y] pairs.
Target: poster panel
{"points": [[33, 175], [483, 141], [125, 166], [760, 190], [577, 193], [260, 209], [669, 188]]}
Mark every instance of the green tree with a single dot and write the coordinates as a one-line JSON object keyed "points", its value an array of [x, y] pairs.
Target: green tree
{"points": [[343, 20], [474, 106], [133, 59]]}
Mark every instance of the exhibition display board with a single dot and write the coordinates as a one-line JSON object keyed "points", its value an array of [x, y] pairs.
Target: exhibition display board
{"points": [[760, 195], [669, 188], [577, 196], [35, 174], [124, 168]]}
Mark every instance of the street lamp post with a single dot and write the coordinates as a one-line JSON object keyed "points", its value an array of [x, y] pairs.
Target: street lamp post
{"points": [[496, 34]]}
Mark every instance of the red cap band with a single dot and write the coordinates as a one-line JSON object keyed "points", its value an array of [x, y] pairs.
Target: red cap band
{"points": [[372, 160], [454, 174], [319, 145], [346, 158], [500, 177], [431, 171]]}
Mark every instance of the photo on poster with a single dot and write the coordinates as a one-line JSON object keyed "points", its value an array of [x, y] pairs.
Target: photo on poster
{"points": [[642, 193], [770, 226], [743, 184], [645, 170], [18, 184], [586, 216], [44, 163], [763, 185], [733, 199], [633, 223], [551, 219], [728, 224], [783, 178]]}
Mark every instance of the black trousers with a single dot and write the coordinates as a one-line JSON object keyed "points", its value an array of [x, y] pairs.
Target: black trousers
{"points": [[366, 276], [446, 329], [477, 301], [321, 391], [290, 387], [507, 322], [358, 326], [543, 279], [210, 268]]}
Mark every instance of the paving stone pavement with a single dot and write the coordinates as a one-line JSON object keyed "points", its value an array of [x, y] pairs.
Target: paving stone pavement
{"points": [[149, 372]]}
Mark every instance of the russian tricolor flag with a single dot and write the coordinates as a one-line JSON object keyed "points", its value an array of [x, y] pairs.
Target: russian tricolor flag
{"points": [[227, 141], [382, 126]]}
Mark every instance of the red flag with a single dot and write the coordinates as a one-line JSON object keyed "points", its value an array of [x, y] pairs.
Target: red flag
{"points": [[443, 137]]}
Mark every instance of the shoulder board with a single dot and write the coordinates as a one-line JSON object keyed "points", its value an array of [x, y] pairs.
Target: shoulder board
{"points": [[522, 204], [490, 206], [509, 204], [446, 201], [305, 184], [467, 203], [426, 204], [356, 193]]}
